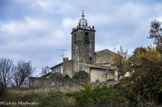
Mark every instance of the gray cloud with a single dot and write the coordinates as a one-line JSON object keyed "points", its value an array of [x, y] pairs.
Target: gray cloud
{"points": [[34, 30]]}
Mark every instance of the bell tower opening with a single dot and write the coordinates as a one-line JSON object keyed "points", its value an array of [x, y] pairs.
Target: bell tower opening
{"points": [[86, 38]]}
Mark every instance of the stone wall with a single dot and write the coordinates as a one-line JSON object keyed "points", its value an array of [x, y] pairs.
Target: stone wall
{"points": [[97, 73], [50, 83], [67, 87], [36, 83]]}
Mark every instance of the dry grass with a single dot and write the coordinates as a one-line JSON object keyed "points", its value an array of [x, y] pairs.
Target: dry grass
{"points": [[47, 98]]}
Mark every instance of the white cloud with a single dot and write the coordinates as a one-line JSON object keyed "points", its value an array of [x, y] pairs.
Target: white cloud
{"points": [[68, 23], [34, 30], [44, 4], [20, 28], [159, 18]]}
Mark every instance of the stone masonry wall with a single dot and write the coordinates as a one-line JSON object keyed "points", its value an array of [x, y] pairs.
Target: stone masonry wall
{"points": [[83, 51], [104, 57], [50, 83]]}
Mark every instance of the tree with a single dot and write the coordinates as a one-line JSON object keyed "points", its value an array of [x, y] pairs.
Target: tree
{"points": [[45, 70], [120, 60], [6, 70], [23, 70], [145, 83], [156, 33]]}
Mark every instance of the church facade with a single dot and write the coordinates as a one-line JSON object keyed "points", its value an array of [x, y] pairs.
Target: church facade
{"points": [[84, 57]]}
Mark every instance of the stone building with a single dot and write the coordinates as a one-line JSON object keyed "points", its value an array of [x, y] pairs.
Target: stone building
{"points": [[84, 57]]}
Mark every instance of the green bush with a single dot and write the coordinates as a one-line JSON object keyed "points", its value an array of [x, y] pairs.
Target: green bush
{"points": [[56, 75], [96, 96], [2, 89], [81, 75], [56, 99], [66, 77]]}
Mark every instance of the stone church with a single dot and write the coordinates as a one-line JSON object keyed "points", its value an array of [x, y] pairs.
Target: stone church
{"points": [[84, 58]]}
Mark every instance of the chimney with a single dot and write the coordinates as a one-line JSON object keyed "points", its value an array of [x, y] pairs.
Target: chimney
{"points": [[65, 59]]}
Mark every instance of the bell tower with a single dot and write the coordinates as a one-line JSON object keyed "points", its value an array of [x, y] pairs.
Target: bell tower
{"points": [[83, 44]]}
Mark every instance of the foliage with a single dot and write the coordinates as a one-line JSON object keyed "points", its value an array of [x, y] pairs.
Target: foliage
{"points": [[120, 61], [2, 89], [100, 95], [81, 75], [66, 77], [56, 75], [156, 33], [143, 87], [56, 99], [145, 84]]}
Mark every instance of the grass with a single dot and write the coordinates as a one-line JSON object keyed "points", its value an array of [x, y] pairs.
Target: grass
{"points": [[41, 98]]}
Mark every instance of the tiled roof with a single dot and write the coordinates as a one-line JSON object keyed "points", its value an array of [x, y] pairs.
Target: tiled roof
{"points": [[46, 74], [105, 50], [60, 64], [93, 66]]}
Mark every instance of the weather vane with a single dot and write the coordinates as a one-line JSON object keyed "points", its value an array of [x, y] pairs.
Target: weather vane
{"points": [[83, 22], [83, 14]]}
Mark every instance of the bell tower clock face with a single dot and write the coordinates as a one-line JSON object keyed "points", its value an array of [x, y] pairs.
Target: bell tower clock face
{"points": [[86, 38]]}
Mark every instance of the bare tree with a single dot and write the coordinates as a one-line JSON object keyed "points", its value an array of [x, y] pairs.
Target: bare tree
{"points": [[45, 70], [119, 61], [23, 70], [6, 71]]}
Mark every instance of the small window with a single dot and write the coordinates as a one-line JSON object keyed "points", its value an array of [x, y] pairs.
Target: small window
{"points": [[59, 68], [86, 37], [90, 58], [74, 38], [86, 33]]}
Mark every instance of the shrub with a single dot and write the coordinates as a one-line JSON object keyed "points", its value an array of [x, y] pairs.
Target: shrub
{"points": [[66, 77], [81, 75], [2, 89], [96, 96], [56, 75], [56, 99]]}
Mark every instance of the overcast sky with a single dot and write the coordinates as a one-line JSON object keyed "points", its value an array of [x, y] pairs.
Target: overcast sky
{"points": [[35, 29]]}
